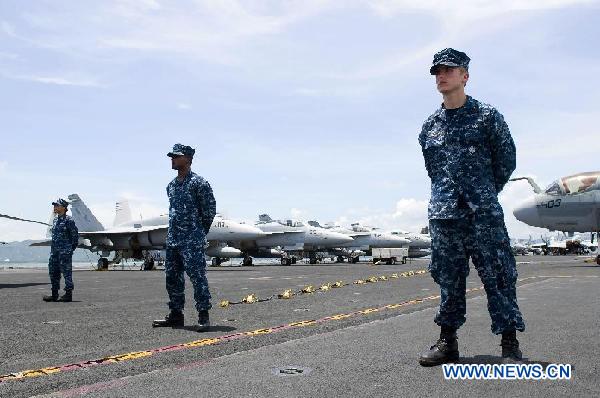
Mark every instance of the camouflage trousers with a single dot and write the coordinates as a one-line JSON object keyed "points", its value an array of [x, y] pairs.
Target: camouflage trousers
{"points": [[485, 240], [61, 263], [191, 260]]}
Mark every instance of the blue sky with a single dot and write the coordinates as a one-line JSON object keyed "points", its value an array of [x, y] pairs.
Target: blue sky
{"points": [[304, 108]]}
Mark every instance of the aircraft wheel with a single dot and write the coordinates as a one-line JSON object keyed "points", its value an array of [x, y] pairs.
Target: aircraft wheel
{"points": [[247, 262], [148, 264], [102, 263], [598, 259], [216, 261]]}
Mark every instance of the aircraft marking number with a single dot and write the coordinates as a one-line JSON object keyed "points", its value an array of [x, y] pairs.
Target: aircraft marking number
{"points": [[551, 204]]}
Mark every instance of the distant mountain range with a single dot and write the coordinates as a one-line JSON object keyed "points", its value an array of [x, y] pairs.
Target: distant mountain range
{"points": [[21, 252]]}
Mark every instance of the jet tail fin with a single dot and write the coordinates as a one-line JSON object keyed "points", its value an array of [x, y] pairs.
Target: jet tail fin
{"points": [[265, 218], [122, 212], [82, 215], [357, 227]]}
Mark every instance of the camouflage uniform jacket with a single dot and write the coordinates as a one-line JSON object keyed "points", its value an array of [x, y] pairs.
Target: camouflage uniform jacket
{"points": [[469, 156], [192, 208], [65, 235]]}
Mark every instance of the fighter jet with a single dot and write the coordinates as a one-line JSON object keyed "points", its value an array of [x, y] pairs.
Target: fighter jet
{"points": [[589, 245], [294, 236], [569, 204], [420, 244], [135, 239], [520, 249], [225, 236], [529, 247], [364, 239]]}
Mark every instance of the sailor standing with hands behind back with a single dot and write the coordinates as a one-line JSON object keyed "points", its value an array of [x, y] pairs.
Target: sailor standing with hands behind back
{"points": [[65, 237], [192, 208], [469, 156]]}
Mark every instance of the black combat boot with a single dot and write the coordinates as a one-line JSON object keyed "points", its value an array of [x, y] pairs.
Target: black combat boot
{"points": [[203, 321], [510, 346], [53, 297], [67, 297], [174, 319], [443, 351]]}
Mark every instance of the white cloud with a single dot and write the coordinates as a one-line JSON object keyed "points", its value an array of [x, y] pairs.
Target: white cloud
{"points": [[206, 29], [7, 28], [392, 64], [56, 80], [455, 22], [409, 214], [308, 92], [468, 9], [222, 32], [3, 166], [298, 214], [217, 32], [132, 7], [347, 91], [11, 56], [183, 106], [411, 209]]}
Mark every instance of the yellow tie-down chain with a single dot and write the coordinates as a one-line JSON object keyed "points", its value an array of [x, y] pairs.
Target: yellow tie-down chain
{"points": [[310, 289]]}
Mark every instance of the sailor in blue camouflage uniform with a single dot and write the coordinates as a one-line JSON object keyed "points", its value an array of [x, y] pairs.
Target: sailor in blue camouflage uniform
{"points": [[192, 208], [469, 156], [65, 237]]}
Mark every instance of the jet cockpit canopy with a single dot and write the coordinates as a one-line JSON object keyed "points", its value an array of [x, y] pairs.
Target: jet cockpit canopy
{"points": [[292, 223], [578, 183]]}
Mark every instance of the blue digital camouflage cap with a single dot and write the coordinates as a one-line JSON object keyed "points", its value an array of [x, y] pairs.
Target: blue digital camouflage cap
{"points": [[449, 57], [61, 202], [182, 150]]}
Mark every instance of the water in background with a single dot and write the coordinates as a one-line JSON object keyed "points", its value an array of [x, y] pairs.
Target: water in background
{"points": [[7, 265]]}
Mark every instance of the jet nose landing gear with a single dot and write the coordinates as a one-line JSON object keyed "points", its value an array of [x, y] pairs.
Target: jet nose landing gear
{"points": [[102, 264], [247, 261]]}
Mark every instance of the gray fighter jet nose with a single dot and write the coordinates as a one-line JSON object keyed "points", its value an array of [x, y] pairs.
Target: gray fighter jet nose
{"points": [[527, 212]]}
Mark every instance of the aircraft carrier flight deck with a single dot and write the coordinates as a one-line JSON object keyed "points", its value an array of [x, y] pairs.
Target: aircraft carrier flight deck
{"points": [[335, 322]]}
